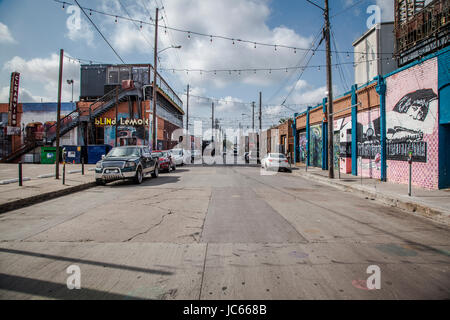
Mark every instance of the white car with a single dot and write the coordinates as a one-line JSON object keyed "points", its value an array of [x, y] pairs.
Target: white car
{"points": [[178, 156], [275, 161]]}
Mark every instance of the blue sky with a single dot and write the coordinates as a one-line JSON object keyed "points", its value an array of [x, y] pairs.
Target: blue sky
{"points": [[33, 31]]}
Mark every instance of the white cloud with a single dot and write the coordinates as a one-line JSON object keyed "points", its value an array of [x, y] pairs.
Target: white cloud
{"points": [[5, 34], [78, 27], [304, 93], [244, 18], [40, 77], [24, 96]]}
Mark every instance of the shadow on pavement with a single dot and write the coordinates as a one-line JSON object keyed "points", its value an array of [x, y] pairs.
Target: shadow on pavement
{"points": [[54, 290], [90, 262]]}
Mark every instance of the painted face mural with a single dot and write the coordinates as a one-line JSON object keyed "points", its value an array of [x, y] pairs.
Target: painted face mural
{"points": [[412, 117]]}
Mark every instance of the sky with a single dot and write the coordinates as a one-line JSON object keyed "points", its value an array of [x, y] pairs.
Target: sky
{"points": [[33, 31]]}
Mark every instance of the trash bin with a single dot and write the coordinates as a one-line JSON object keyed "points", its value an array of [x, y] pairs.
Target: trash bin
{"points": [[48, 155], [74, 154], [95, 152]]}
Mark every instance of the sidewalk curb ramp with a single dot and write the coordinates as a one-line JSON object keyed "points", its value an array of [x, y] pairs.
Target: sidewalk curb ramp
{"points": [[21, 203], [436, 214]]}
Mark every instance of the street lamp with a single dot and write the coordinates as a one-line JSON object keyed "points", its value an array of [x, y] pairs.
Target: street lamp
{"points": [[155, 66], [174, 47], [71, 82]]}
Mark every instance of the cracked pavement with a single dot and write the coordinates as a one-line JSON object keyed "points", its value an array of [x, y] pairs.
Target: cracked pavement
{"points": [[221, 233]]}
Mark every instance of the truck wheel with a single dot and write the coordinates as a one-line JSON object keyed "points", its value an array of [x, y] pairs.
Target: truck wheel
{"points": [[100, 182], [139, 176], [155, 173]]}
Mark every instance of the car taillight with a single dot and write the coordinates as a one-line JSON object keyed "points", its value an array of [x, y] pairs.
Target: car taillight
{"points": [[270, 160], [285, 161]]}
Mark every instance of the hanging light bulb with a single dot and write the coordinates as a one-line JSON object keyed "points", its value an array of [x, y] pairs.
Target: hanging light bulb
{"points": [[270, 70], [286, 69], [210, 38], [348, 55], [319, 68], [215, 72], [255, 45], [63, 5], [140, 25], [233, 41], [275, 48], [189, 35], [165, 30], [115, 20], [90, 12], [255, 71], [295, 50]]}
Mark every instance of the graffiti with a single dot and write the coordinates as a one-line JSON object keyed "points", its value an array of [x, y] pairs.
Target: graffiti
{"points": [[302, 146], [345, 149], [412, 117], [126, 134], [315, 151]]}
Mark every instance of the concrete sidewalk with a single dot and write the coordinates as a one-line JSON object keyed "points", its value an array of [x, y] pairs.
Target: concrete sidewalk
{"points": [[39, 183], [433, 204]]}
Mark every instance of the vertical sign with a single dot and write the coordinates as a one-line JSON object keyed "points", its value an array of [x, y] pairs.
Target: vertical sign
{"points": [[13, 98]]}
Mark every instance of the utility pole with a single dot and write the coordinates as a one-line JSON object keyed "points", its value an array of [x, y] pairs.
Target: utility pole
{"points": [[187, 110], [155, 88], [330, 94], [212, 121], [260, 102], [58, 112], [117, 115], [253, 116]]}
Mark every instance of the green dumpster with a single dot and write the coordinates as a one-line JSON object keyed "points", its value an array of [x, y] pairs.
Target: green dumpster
{"points": [[48, 155]]}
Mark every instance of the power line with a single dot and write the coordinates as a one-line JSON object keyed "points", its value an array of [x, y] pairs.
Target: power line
{"points": [[301, 73], [104, 38], [211, 36]]}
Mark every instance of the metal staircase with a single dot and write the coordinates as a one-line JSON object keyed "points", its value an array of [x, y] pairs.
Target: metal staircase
{"points": [[74, 119], [27, 147]]}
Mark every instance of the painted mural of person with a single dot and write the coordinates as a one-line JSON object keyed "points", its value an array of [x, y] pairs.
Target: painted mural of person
{"points": [[413, 116]]}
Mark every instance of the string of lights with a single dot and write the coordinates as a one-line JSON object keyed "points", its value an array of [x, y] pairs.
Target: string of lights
{"points": [[235, 70], [190, 33]]}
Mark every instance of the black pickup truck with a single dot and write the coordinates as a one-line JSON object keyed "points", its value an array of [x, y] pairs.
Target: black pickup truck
{"points": [[131, 162]]}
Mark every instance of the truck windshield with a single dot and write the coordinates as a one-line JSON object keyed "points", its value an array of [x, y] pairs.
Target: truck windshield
{"points": [[123, 152]]}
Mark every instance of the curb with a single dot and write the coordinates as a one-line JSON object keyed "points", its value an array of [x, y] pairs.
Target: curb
{"points": [[21, 203], [436, 214], [2, 182]]}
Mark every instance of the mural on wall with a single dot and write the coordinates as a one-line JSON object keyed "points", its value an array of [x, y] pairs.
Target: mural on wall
{"points": [[127, 135], [412, 117], [412, 124], [315, 146], [302, 146], [343, 126], [369, 147]]}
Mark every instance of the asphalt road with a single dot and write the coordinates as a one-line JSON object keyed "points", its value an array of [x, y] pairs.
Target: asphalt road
{"points": [[221, 233]]}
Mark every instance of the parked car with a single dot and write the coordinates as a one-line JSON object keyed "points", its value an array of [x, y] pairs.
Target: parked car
{"points": [[196, 154], [166, 162], [253, 156], [177, 156], [275, 161], [131, 162]]}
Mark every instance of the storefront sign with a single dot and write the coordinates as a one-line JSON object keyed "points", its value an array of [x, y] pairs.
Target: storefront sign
{"points": [[122, 122], [13, 98], [400, 151], [12, 131]]}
